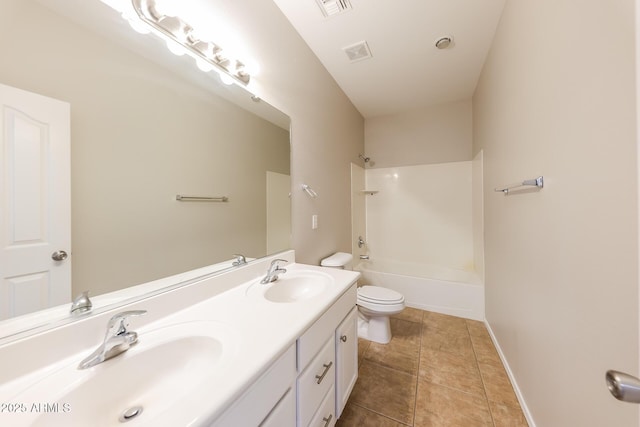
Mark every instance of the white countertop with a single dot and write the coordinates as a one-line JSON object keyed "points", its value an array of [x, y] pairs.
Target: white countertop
{"points": [[262, 331]]}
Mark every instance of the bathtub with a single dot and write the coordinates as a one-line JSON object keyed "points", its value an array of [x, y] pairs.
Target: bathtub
{"points": [[428, 287]]}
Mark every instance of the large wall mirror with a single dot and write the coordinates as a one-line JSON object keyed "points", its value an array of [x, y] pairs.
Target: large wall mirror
{"points": [[146, 126]]}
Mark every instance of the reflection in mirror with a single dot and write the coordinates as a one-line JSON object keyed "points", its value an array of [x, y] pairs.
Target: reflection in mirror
{"points": [[145, 126]]}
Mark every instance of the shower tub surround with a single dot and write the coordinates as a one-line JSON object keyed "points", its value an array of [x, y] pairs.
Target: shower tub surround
{"points": [[429, 287], [264, 345], [423, 235]]}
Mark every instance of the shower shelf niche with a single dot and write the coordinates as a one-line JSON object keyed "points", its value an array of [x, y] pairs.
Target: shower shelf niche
{"points": [[369, 192]]}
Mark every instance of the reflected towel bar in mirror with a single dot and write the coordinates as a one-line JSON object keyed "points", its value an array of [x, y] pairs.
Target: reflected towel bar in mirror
{"points": [[201, 199]]}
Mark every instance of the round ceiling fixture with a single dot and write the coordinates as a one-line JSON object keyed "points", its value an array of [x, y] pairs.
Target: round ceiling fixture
{"points": [[444, 42]]}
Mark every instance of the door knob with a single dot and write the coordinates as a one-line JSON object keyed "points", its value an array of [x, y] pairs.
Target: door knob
{"points": [[59, 256], [623, 386]]}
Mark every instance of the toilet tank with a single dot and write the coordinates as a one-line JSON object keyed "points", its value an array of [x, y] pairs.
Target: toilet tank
{"points": [[338, 260]]}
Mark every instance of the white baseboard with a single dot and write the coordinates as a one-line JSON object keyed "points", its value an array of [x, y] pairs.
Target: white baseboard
{"points": [[514, 383]]}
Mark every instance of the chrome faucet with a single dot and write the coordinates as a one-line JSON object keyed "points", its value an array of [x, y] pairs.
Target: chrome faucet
{"points": [[117, 339], [240, 260], [274, 271], [81, 303]]}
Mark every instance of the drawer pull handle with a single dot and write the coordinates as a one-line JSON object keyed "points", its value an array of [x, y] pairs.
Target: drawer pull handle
{"points": [[343, 338], [327, 420], [327, 366]]}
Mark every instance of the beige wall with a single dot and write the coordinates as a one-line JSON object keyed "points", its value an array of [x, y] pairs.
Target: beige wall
{"points": [[557, 98], [327, 132], [437, 134]]}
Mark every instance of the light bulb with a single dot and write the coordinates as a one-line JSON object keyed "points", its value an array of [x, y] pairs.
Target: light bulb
{"points": [[204, 65], [167, 7], [139, 26], [226, 79], [129, 14], [175, 47], [251, 67], [195, 34]]}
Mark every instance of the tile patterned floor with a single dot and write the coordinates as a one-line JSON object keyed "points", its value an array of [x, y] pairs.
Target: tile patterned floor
{"points": [[437, 371]]}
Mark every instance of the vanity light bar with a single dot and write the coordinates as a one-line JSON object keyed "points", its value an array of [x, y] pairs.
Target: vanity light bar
{"points": [[182, 33]]}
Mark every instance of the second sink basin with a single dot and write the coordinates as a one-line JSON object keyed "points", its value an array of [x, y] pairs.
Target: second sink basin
{"points": [[293, 286]]}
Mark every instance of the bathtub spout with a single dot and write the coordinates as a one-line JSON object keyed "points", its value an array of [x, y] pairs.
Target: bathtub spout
{"points": [[365, 257]]}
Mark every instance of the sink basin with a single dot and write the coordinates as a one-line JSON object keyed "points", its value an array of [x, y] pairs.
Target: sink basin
{"points": [[293, 286], [149, 383]]}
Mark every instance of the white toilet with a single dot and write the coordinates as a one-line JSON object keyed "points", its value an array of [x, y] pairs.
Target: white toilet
{"points": [[375, 304]]}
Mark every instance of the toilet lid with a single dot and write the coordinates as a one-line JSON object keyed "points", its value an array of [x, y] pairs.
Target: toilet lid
{"points": [[339, 259], [379, 295]]}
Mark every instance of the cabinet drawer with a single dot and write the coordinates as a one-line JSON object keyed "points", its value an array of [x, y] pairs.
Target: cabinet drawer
{"points": [[313, 339], [315, 381], [325, 416]]}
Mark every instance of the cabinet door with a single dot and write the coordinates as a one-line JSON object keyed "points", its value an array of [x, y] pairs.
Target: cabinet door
{"points": [[270, 391], [346, 359], [284, 414]]}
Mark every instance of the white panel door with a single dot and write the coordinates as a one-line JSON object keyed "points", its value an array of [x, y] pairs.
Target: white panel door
{"points": [[35, 204]]}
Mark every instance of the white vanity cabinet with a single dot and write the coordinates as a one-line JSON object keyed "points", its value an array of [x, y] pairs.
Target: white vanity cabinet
{"points": [[346, 342], [325, 367], [284, 414], [310, 383], [271, 399]]}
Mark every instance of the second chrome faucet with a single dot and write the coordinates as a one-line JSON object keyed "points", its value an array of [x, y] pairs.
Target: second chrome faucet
{"points": [[117, 339], [274, 271]]}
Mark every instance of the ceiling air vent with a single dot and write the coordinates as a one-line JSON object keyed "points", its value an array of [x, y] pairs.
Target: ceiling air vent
{"points": [[333, 7], [358, 51]]}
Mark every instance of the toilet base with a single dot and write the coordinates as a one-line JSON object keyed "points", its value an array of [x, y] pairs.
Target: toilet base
{"points": [[374, 328]]}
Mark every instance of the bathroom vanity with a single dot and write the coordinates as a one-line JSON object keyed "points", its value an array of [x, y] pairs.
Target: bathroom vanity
{"points": [[321, 365], [224, 350]]}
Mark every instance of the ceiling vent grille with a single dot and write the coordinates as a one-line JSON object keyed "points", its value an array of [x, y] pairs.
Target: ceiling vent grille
{"points": [[333, 7], [358, 52]]}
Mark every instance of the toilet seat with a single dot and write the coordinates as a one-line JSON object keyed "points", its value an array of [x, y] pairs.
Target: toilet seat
{"points": [[379, 301], [379, 295]]}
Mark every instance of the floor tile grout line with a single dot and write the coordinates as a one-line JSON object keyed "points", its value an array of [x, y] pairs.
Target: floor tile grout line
{"points": [[415, 398], [378, 366], [484, 387], [383, 415], [391, 368], [475, 362]]}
